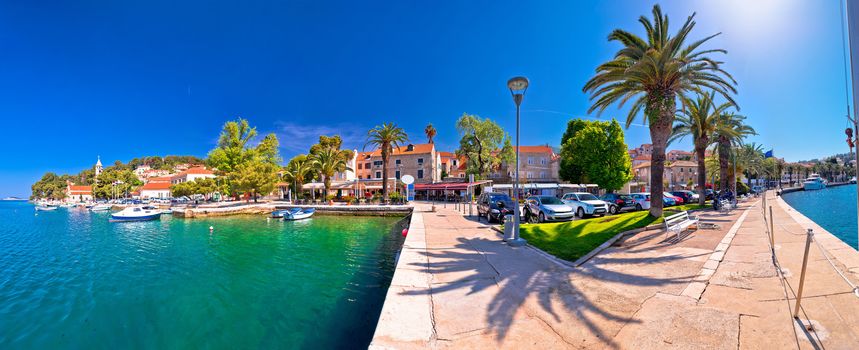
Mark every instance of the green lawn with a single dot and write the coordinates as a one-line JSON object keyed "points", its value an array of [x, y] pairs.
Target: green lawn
{"points": [[573, 239], [685, 207]]}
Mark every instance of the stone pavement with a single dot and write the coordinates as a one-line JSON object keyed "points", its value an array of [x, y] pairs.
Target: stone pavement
{"points": [[458, 286]]}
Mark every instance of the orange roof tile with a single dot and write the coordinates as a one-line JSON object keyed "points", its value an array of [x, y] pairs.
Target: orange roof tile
{"points": [[422, 148], [155, 186]]}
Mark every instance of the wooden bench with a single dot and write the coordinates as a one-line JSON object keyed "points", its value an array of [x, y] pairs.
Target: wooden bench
{"points": [[679, 222]]}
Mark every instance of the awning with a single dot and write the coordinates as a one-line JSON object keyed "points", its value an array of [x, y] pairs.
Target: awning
{"points": [[452, 186], [313, 186], [527, 186]]}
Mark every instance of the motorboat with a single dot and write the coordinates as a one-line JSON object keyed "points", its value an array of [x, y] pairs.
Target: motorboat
{"points": [[814, 182], [853, 180], [45, 208], [295, 213], [135, 214], [101, 207]]}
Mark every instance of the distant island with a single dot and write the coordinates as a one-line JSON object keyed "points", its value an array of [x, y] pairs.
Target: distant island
{"points": [[13, 199]]}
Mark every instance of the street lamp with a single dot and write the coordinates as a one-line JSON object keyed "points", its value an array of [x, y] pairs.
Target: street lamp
{"points": [[517, 86]]}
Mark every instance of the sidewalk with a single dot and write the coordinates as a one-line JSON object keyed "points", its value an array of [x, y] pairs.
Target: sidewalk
{"points": [[458, 286]]}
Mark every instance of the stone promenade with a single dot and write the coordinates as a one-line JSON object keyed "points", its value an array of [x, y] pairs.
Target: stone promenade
{"points": [[457, 285]]}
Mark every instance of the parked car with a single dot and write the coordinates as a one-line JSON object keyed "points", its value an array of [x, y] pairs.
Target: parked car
{"points": [[668, 201], [618, 202], [688, 196], [494, 206], [677, 200], [547, 208], [584, 203], [642, 200]]}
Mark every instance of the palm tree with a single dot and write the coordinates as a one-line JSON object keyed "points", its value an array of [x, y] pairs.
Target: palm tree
{"points": [[386, 138], [653, 73], [731, 133], [431, 132], [298, 170], [750, 161], [699, 119], [330, 160]]}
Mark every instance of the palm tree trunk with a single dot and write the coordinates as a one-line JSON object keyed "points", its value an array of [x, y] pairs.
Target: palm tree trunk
{"points": [[384, 174], [326, 183], [724, 148], [702, 174], [660, 110]]}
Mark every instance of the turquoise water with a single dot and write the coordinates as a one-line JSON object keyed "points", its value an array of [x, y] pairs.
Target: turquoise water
{"points": [[833, 208], [69, 279]]}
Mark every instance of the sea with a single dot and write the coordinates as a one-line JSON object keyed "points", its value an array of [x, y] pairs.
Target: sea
{"points": [[70, 279], [833, 208]]}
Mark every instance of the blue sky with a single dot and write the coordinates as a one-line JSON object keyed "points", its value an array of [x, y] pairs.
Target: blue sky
{"points": [[123, 79]]}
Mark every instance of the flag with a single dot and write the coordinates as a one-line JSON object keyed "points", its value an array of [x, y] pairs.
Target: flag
{"points": [[769, 154]]}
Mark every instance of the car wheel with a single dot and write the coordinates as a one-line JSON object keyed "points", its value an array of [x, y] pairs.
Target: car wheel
{"points": [[541, 218], [638, 207], [612, 210], [580, 213]]}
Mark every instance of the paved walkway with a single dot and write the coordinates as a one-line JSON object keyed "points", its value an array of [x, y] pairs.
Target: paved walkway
{"points": [[458, 286]]}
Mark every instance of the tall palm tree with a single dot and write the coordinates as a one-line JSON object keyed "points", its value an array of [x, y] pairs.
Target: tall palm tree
{"points": [[750, 161], [732, 132], [653, 73], [431, 132], [328, 161], [386, 138], [698, 119]]}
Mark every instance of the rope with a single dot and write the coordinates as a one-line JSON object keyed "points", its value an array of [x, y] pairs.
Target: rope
{"points": [[850, 283], [844, 53]]}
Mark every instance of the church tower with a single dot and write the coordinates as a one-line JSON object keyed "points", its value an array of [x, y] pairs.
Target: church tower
{"points": [[98, 167]]}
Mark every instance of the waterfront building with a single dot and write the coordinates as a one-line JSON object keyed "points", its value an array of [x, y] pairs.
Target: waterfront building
{"points": [[676, 154], [452, 165], [640, 159], [192, 174], [155, 189], [421, 161], [682, 174], [78, 193], [537, 164]]}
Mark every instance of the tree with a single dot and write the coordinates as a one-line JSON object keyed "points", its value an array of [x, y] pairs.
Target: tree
{"points": [[569, 171], [255, 177], [653, 73], [730, 133], [699, 119], [50, 186], [431, 132], [115, 182], [328, 161], [298, 170], [483, 144], [599, 152], [386, 138], [232, 149], [184, 189]]}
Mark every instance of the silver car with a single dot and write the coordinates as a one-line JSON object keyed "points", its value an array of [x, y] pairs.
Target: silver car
{"points": [[547, 208], [585, 204]]}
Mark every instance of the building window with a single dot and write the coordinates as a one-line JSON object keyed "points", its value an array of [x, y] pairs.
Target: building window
{"points": [[528, 175], [378, 174], [420, 161], [377, 163], [359, 166], [454, 162], [397, 174], [397, 162], [366, 165], [681, 170], [543, 160], [462, 175], [530, 160], [420, 173], [542, 174]]}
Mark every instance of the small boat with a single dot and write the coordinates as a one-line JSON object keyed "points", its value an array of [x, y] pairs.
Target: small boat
{"points": [[853, 180], [297, 213], [814, 182], [45, 208], [101, 207], [135, 214]]}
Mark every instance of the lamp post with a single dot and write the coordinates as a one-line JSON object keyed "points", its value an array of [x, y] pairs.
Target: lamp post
{"points": [[517, 86]]}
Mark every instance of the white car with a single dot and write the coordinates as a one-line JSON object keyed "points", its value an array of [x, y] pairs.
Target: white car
{"points": [[642, 200], [584, 203], [547, 208]]}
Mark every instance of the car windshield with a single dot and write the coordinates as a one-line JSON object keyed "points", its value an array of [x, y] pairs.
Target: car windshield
{"points": [[550, 200], [626, 198], [587, 197], [501, 197]]}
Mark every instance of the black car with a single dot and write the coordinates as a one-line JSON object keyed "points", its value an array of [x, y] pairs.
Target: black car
{"points": [[618, 202], [494, 205], [688, 196]]}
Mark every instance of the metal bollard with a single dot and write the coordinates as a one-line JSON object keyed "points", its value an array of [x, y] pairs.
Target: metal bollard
{"points": [[802, 274]]}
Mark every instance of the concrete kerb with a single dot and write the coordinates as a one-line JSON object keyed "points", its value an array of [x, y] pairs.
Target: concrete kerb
{"points": [[400, 308]]}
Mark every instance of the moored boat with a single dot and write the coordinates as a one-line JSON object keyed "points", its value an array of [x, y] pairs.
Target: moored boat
{"points": [[135, 214], [814, 182], [297, 213], [45, 208], [101, 207]]}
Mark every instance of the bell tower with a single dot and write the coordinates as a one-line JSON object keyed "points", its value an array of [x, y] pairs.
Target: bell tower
{"points": [[98, 167]]}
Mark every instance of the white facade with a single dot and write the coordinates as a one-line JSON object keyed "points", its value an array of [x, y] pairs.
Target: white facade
{"points": [[158, 193]]}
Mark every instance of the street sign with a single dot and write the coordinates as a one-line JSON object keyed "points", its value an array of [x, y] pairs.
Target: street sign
{"points": [[408, 179], [410, 192]]}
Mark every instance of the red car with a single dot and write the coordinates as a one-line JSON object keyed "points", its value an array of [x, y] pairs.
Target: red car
{"points": [[677, 200]]}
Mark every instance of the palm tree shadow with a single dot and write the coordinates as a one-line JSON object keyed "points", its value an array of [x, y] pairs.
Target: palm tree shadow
{"points": [[487, 263]]}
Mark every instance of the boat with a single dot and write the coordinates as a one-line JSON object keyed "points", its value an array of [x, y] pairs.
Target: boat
{"points": [[853, 180], [135, 214], [294, 213], [45, 208], [814, 182], [101, 207]]}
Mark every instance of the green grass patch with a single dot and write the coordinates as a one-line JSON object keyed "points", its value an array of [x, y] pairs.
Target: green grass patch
{"points": [[686, 207], [573, 239]]}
